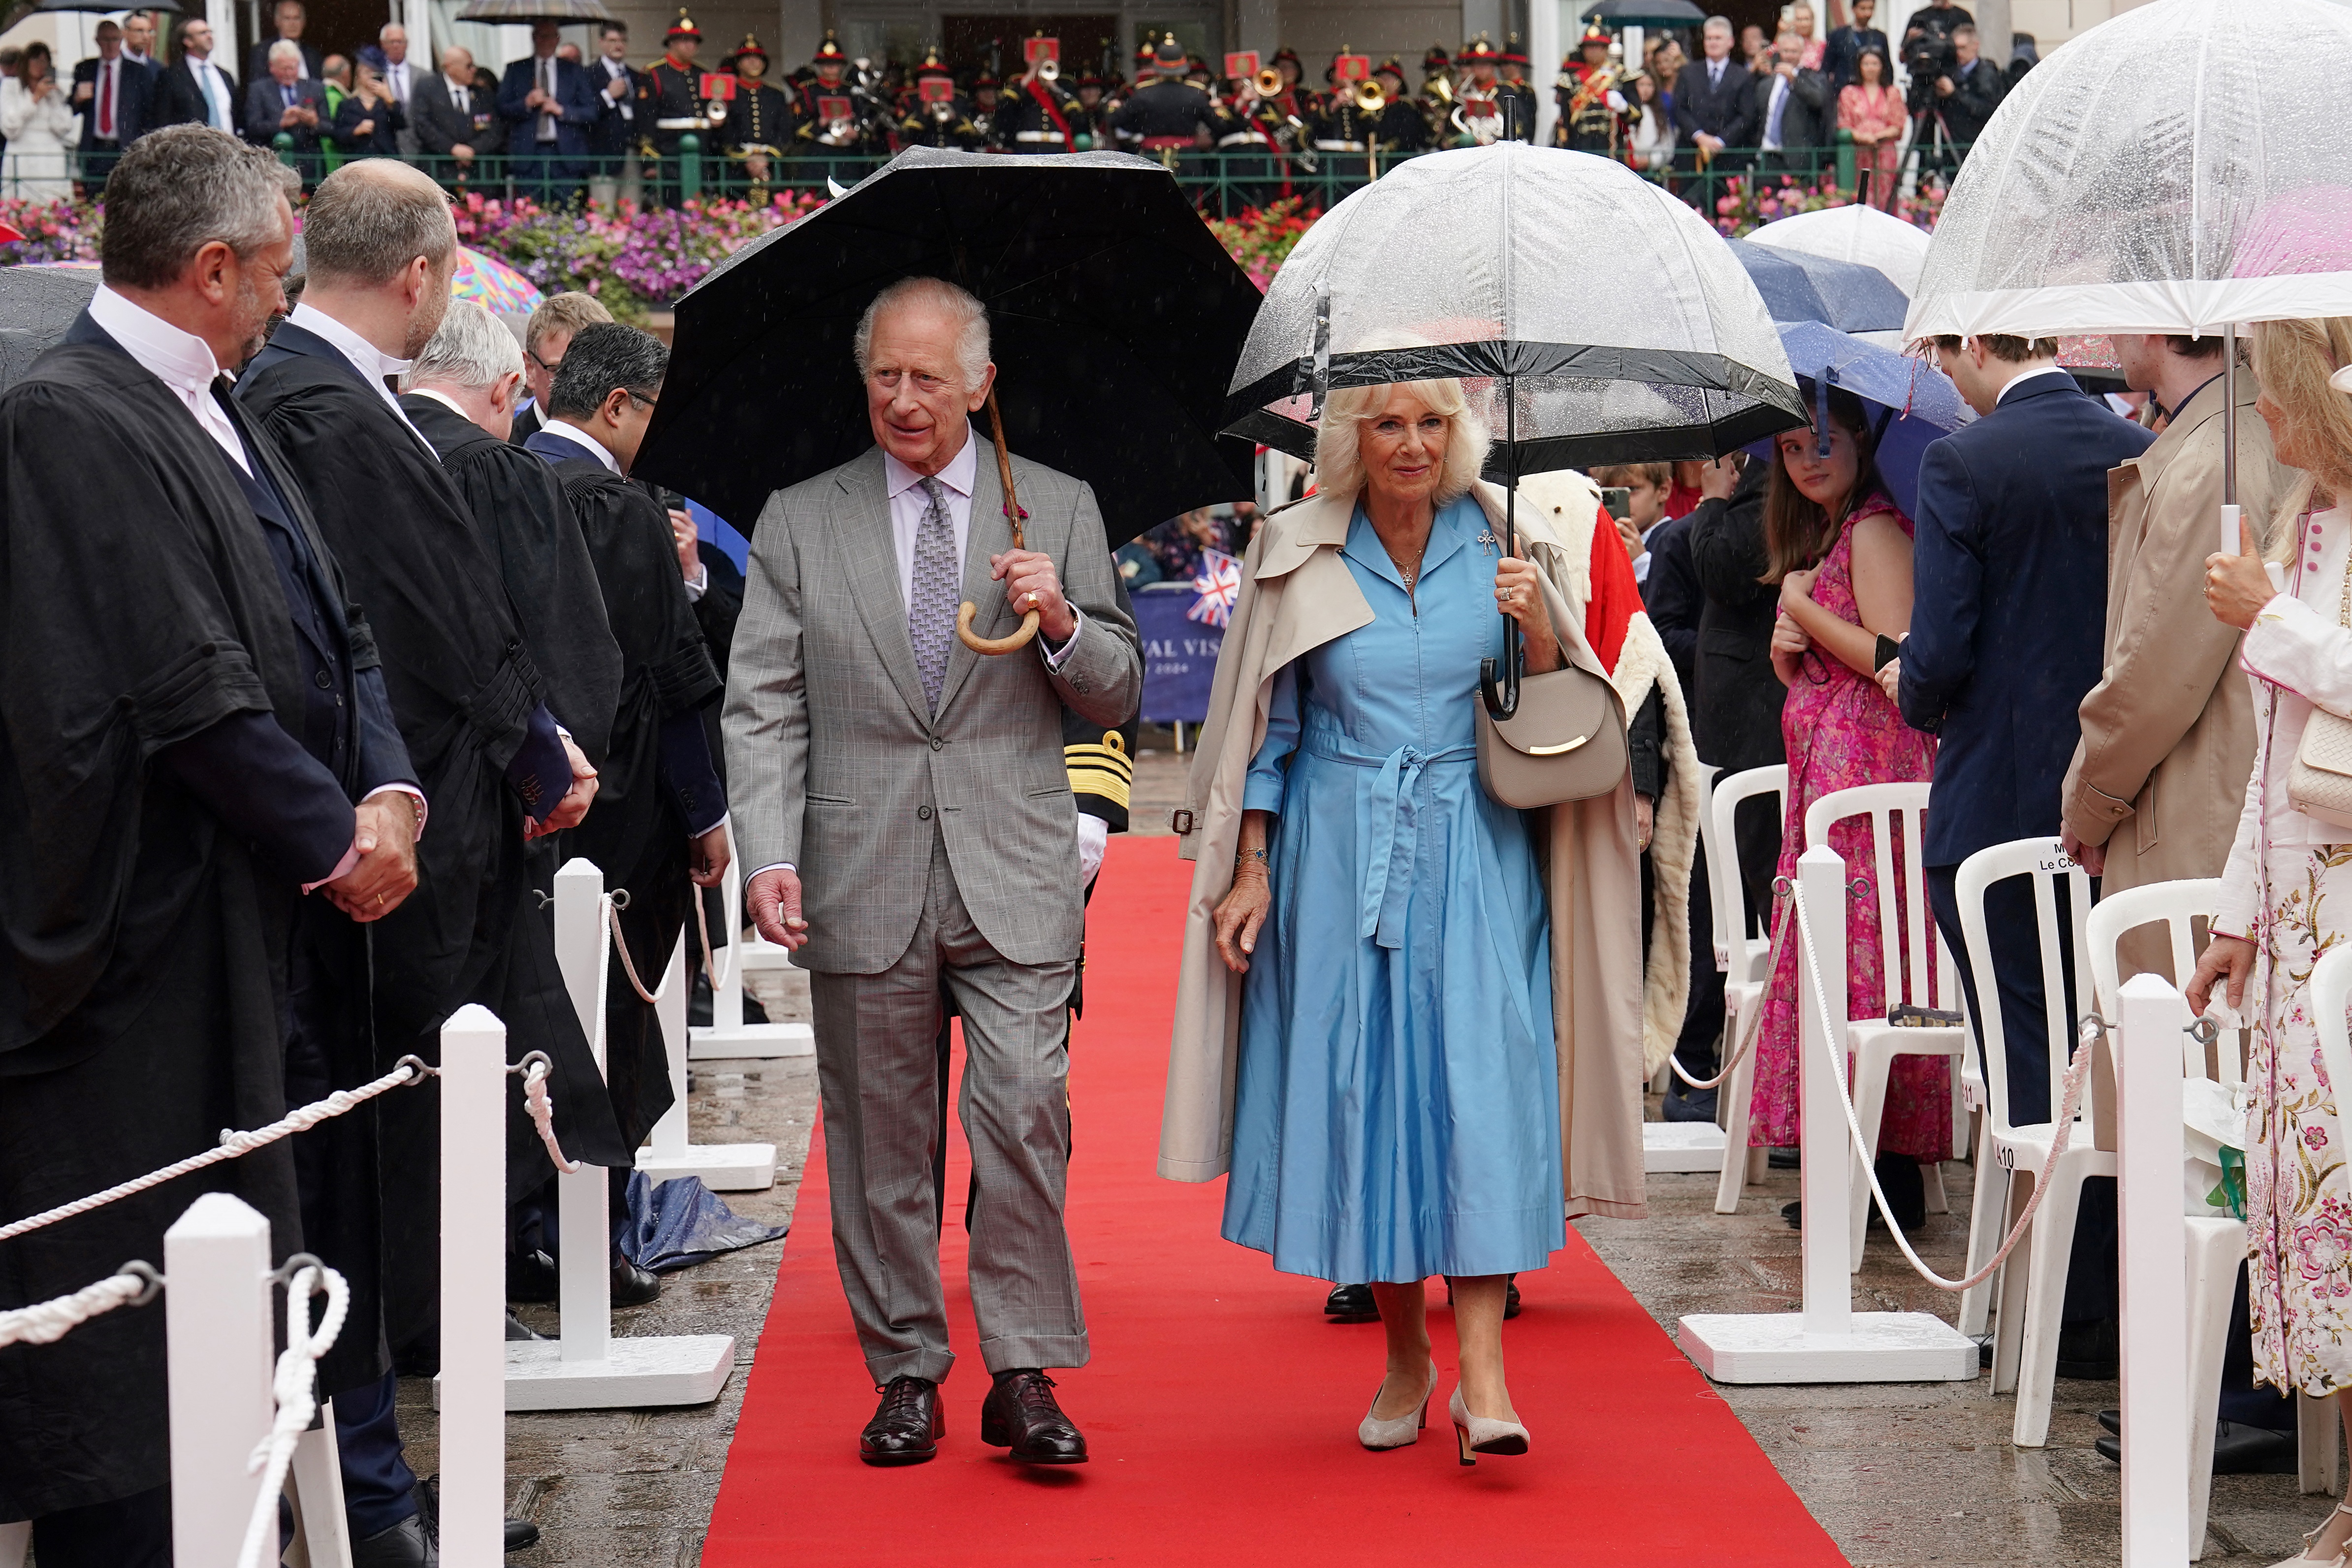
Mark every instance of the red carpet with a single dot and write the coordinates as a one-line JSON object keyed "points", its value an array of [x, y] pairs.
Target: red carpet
{"points": [[1221, 1407]]}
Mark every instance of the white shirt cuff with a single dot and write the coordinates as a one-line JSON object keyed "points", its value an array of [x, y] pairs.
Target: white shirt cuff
{"points": [[351, 855], [699, 583], [1056, 657]]}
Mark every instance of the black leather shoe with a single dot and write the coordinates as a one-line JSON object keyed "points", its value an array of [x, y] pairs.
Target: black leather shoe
{"points": [[1352, 1304], [518, 1331], [2089, 1351], [532, 1276], [404, 1545], [632, 1286], [521, 1534], [1021, 1415], [1511, 1299], [1781, 1160], [907, 1425]]}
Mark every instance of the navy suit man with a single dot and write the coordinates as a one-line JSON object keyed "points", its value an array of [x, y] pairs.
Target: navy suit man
{"points": [[2009, 564], [1712, 103], [551, 109], [115, 96]]}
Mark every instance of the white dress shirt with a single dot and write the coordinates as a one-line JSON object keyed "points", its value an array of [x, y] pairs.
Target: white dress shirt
{"points": [[2021, 377], [616, 70], [544, 71], [181, 361], [185, 362], [373, 364], [218, 113], [461, 96]]}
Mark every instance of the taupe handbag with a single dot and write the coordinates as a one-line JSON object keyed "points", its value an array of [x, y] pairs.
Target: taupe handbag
{"points": [[2320, 783], [1564, 738]]}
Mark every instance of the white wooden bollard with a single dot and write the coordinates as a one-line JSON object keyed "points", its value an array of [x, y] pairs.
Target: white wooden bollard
{"points": [[217, 1332], [471, 1387], [16, 1541], [1828, 1341], [723, 1167], [727, 1035], [584, 1221], [588, 1368], [2153, 1252]]}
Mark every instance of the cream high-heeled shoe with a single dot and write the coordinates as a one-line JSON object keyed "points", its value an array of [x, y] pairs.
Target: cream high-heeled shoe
{"points": [[2304, 1558], [1405, 1430], [1478, 1435]]}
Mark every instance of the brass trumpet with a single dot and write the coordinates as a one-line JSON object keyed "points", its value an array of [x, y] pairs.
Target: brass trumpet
{"points": [[1268, 82], [1049, 70], [1370, 99]]}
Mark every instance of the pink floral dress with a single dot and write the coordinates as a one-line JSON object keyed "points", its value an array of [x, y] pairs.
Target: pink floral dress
{"points": [[1840, 730]]}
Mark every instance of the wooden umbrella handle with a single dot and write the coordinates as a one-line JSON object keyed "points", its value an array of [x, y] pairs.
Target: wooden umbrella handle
{"points": [[1012, 516]]}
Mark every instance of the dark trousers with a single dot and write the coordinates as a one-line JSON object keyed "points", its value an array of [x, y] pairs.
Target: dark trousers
{"points": [[538, 172], [2014, 934], [1703, 1016], [379, 1489], [128, 1532]]}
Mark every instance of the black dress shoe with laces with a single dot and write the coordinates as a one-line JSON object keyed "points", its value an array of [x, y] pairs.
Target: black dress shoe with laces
{"points": [[1352, 1304], [1021, 1415], [532, 1276], [907, 1425]]}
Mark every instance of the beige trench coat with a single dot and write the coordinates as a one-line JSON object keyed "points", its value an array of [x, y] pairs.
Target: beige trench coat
{"points": [[2169, 733], [1298, 595]]}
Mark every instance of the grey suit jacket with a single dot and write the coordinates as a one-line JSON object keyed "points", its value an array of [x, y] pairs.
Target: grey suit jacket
{"points": [[835, 763]]}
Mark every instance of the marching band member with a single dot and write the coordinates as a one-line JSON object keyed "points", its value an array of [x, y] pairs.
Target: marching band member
{"points": [[939, 121], [1041, 115], [1595, 115], [759, 125], [1167, 117]]}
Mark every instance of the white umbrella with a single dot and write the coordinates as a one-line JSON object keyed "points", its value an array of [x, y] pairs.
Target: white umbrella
{"points": [[1595, 318], [2185, 167], [1857, 233]]}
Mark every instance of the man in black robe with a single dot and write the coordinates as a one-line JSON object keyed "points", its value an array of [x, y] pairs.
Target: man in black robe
{"points": [[190, 707], [380, 247], [660, 824]]}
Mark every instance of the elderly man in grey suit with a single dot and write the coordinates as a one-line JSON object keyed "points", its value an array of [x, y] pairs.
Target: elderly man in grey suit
{"points": [[905, 804]]}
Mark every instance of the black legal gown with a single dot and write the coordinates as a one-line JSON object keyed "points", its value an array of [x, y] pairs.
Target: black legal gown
{"points": [[140, 1005], [636, 832], [463, 688]]}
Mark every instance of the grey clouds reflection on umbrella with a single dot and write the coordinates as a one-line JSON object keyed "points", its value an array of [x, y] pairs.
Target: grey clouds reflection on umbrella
{"points": [[1628, 328], [1114, 317]]}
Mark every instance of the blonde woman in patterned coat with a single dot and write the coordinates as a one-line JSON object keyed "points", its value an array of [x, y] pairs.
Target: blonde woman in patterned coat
{"points": [[2287, 894]]}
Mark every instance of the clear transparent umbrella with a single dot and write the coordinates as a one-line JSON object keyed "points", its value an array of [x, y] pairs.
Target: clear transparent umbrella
{"points": [[1591, 317], [2185, 167]]}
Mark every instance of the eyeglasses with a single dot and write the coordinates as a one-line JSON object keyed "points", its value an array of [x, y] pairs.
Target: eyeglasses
{"points": [[543, 364], [641, 397]]}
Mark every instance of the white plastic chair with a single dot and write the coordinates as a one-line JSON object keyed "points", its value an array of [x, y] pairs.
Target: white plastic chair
{"points": [[1743, 959], [1906, 937], [2033, 1280]]}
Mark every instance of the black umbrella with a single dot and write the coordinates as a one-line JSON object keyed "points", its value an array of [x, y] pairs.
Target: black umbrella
{"points": [[1645, 13], [1115, 318]]}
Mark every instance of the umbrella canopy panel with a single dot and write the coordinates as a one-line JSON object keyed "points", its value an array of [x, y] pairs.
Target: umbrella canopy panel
{"points": [[535, 11], [1913, 403], [1858, 233], [39, 303], [2183, 167], [1800, 287], [1627, 326], [1645, 13], [1114, 316]]}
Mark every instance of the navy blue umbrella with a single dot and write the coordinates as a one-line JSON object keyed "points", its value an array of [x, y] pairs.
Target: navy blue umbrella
{"points": [[1912, 403], [1841, 294]]}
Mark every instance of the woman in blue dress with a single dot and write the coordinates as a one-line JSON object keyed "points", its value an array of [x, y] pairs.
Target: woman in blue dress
{"points": [[1396, 1103]]}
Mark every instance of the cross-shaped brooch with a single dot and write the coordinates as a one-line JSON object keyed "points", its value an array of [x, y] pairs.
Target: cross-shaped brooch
{"points": [[1489, 543]]}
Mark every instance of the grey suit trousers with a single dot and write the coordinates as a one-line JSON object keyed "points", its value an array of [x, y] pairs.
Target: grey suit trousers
{"points": [[877, 1074]]}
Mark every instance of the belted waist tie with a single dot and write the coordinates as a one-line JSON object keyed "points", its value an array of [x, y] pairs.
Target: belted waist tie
{"points": [[1396, 824]]}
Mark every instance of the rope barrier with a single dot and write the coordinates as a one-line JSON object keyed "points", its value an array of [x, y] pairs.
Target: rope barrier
{"points": [[541, 1106], [614, 902], [2076, 1072], [1781, 887], [47, 1322], [409, 1069], [295, 1389]]}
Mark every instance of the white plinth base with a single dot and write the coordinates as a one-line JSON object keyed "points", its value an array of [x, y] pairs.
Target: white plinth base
{"points": [[1682, 1146], [757, 1041], [1879, 1347], [723, 1167], [637, 1373]]}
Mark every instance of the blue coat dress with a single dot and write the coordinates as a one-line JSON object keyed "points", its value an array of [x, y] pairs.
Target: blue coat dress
{"points": [[1397, 1109]]}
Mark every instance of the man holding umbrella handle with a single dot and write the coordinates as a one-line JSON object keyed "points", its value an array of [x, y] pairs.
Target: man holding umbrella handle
{"points": [[906, 804]]}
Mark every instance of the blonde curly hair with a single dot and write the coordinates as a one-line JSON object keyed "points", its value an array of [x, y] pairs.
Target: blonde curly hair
{"points": [[1339, 457], [2294, 361]]}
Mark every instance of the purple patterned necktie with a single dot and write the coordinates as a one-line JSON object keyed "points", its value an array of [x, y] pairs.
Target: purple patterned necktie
{"points": [[932, 596]]}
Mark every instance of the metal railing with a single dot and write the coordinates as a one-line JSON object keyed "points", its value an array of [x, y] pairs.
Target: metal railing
{"points": [[1222, 183]]}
